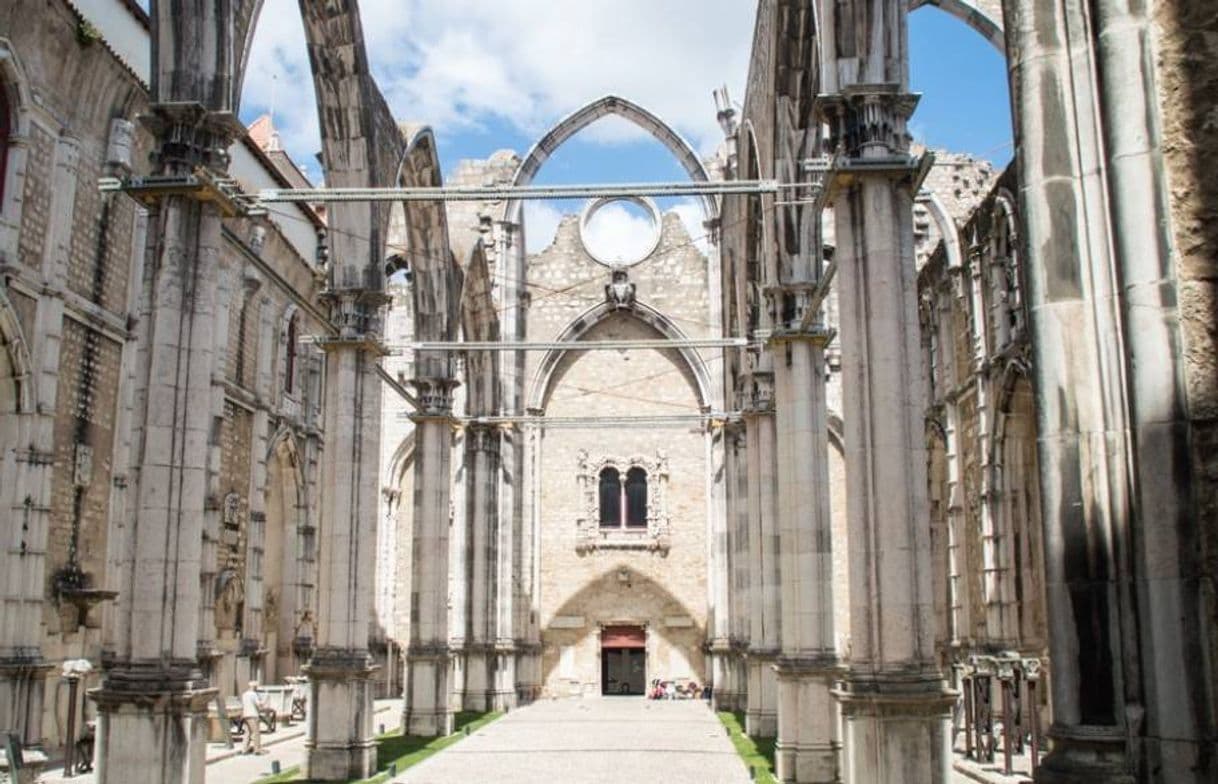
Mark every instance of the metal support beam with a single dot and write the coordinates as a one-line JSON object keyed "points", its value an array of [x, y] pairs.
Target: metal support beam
{"points": [[572, 345], [713, 418], [497, 193]]}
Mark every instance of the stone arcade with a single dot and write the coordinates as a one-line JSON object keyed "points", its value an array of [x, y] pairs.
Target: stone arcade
{"points": [[975, 410]]}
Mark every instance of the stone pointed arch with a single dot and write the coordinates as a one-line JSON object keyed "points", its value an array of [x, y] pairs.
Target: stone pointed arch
{"points": [[362, 146], [17, 358], [590, 113], [435, 278], [984, 16], [948, 231], [480, 322], [400, 461], [544, 377]]}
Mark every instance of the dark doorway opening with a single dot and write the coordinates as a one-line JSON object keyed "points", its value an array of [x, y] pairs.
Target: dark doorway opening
{"points": [[624, 660]]}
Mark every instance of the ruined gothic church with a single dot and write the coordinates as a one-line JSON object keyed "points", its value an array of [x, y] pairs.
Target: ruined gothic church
{"points": [[864, 453]]}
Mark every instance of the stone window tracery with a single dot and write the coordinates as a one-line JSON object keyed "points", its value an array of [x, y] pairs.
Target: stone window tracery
{"points": [[624, 503]]}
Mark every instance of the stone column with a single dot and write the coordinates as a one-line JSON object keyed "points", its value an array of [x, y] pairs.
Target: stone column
{"points": [[151, 708], [718, 561], [727, 688], [1132, 688], [808, 745], [486, 644], [761, 713], [428, 710], [895, 703], [340, 745]]}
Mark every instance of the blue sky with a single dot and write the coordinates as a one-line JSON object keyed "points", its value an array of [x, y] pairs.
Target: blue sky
{"points": [[489, 76]]}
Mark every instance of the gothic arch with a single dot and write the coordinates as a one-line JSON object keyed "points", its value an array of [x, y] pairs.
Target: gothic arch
{"points": [[15, 93], [16, 361], [435, 276], [590, 113], [543, 379], [984, 16], [480, 322], [948, 231]]}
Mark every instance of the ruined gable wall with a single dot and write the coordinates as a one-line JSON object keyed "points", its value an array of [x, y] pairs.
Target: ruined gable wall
{"points": [[667, 592]]}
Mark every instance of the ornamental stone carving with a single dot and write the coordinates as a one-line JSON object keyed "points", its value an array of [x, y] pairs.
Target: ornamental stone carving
{"points": [[591, 536]]}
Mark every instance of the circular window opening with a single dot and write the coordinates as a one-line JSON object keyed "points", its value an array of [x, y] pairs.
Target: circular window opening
{"points": [[620, 231]]}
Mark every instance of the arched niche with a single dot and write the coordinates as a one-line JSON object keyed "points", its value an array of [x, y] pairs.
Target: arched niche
{"points": [[282, 575]]}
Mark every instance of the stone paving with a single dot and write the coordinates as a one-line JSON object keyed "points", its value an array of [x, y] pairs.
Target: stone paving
{"points": [[601, 739], [229, 766]]}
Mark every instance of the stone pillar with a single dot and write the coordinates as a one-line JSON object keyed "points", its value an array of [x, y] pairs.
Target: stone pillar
{"points": [[341, 673], [151, 708], [1132, 687], [761, 713], [808, 745], [727, 688], [428, 710], [488, 640], [718, 561], [528, 603], [502, 691], [895, 703]]}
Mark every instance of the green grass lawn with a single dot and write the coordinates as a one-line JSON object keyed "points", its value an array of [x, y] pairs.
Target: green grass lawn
{"points": [[400, 750], [757, 753]]}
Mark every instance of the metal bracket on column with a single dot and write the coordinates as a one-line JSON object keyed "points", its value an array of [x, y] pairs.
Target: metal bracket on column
{"points": [[200, 184]]}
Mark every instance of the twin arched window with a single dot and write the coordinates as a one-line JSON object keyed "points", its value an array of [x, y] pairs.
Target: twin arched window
{"points": [[623, 504]]}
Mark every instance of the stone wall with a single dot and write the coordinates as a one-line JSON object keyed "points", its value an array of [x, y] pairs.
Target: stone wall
{"points": [[1187, 73], [72, 262], [986, 535]]}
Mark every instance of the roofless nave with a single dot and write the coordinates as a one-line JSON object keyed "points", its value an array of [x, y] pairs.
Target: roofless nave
{"points": [[887, 416]]}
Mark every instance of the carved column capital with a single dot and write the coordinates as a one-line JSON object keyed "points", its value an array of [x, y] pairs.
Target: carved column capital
{"points": [[356, 314], [482, 437], [435, 397], [869, 120], [759, 395], [189, 136]]}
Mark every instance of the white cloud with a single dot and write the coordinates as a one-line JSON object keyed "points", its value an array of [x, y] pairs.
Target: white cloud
{"points": [[541, 221], [618, 234], [456, 64]]}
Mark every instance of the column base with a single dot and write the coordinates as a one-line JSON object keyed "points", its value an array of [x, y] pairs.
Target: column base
{"points": [[151, 725], [723, 682], [528, 672], [808, 749], [1081, 755], [22, 686], [490, 678], [428, 708], [341, 744], [761, 713], [897, 727]]}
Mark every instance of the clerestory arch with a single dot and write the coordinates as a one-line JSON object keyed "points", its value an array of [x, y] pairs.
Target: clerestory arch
{"points": [[544, 377], [984, 16], [590, 113]]}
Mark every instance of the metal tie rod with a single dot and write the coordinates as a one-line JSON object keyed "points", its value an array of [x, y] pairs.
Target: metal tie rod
{"points": [[572, 345], [522, 192], [654, 420]]}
